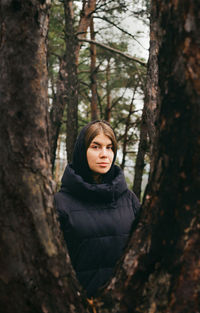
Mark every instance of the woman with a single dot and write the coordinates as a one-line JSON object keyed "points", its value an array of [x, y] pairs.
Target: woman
{"points": [[95, 207]]}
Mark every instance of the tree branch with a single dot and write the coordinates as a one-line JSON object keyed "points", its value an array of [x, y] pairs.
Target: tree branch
{"points": [[127, 56], [118, 27]]}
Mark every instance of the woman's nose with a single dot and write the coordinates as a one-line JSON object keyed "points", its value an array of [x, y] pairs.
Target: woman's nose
{"points": [[103, 152]]}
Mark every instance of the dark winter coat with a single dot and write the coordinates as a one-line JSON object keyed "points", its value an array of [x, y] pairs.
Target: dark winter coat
{"points": [[96, 220]]}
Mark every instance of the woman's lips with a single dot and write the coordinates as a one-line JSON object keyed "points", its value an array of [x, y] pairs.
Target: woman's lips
{"points": [[103, 164]]}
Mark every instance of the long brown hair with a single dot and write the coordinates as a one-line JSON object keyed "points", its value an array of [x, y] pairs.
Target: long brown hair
{"points": [[97, 128]]}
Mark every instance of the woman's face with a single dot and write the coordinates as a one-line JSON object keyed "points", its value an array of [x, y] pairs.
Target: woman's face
{"points": [[100, 154]]}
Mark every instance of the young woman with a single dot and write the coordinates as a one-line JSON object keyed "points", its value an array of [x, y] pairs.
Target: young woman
{"points": [[95, 207]]}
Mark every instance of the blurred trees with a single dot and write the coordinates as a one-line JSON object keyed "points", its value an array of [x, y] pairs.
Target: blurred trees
{"points": [[68, 79], [104, 76]]}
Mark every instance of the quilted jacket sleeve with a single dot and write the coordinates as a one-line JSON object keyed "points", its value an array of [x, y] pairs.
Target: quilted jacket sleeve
{"points": [[136, 203]]}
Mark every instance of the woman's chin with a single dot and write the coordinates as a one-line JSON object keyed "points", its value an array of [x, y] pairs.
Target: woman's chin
{"points": [[102, 171]]}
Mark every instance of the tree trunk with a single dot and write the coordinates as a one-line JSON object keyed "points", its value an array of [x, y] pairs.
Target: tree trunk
{"points": [[58, 163], [151, 109], [85, 18], [71, 80], [161, 271], [125, 139], [108, 93], [57, 111], [35, 273], [140, 163], [94, 103]]}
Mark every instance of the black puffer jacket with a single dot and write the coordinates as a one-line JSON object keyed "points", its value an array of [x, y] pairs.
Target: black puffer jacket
{"points": [[96, 220]]}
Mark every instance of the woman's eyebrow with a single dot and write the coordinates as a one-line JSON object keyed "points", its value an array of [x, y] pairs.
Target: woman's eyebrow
{"points": [[98, 143], [95, 142]]}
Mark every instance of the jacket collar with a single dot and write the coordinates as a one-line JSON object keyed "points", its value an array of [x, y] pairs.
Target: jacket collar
{"points": [[106, 192]]}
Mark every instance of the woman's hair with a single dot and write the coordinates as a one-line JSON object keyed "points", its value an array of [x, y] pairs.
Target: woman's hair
{"points": [[97, 128]]}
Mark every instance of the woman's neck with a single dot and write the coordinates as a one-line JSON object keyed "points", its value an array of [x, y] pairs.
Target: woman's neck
{"points": [[97, 178]]}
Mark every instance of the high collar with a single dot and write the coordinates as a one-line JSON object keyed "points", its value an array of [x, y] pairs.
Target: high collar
{"points": [[106, 192]]}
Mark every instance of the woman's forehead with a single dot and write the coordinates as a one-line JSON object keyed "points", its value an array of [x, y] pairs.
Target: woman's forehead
{"points": [[102, 139]]}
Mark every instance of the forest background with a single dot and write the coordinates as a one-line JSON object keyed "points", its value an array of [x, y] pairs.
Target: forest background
{"points": [[110, 44]]}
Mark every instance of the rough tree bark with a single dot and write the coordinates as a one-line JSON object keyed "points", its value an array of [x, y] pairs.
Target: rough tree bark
{"points": [[35, 272]]}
